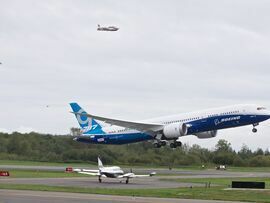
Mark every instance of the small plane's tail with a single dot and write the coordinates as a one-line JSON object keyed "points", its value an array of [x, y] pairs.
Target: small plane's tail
{"points": [[84, 121], [100, 165]]}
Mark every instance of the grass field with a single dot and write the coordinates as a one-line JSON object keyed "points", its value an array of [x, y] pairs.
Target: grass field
{"points": [[224, 182], [249, 169]]}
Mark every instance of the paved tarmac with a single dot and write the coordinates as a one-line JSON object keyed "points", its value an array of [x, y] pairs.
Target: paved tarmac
{"points": [[92, 182], [21, 196]]}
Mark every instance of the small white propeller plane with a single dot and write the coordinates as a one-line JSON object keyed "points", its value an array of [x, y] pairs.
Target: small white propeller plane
{"points": [[110, 172], [109, 28]]}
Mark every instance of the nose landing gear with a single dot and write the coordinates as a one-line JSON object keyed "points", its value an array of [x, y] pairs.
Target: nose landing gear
{"points": [[254, 130]]}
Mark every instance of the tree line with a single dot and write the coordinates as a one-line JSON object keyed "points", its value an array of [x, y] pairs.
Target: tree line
{"points": [[51, 148]]}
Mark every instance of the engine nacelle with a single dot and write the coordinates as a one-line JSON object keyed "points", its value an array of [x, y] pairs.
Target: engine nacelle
{"points": [[175, 130], [207, 134]]}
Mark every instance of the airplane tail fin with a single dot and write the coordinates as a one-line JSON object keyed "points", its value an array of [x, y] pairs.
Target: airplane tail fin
{"points": [[100, 165], [84, 121]]}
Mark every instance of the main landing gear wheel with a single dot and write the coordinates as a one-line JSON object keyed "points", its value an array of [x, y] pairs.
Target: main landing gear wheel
{"points": [[126, 181], [163, 143], [157, 145], [175, 144], [100, 180], [178, 144]]}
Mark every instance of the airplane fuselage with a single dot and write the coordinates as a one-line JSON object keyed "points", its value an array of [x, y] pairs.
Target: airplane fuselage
{"points": [[108, 29], [111, 172], [197, 122]]}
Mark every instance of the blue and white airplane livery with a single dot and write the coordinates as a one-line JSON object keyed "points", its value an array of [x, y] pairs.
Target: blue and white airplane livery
{"points": [[169, 129]]}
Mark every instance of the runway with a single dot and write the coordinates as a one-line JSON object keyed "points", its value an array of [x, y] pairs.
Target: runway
{"points": [[92, 182], [22, 196]]}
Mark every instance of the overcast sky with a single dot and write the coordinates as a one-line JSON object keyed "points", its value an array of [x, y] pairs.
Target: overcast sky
{"points": [[168, 57]]}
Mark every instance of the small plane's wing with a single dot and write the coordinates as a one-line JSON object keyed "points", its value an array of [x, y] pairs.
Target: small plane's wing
{"points": [[87, 172], [140, 126], [132, 175]]}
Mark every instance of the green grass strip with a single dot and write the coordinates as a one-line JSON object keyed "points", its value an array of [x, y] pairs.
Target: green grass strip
{"points": [[226, 182]]}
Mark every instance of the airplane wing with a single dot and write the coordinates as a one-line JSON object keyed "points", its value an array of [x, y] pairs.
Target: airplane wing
{"points": [[87, 172], [140, 126], [132, 175]]}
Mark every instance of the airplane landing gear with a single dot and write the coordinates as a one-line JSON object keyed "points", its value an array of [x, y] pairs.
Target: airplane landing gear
{"points": [[254, 130], [162, 143], [159, 144], [99, 180], [172, 145], [176, 144], [127, 181]]}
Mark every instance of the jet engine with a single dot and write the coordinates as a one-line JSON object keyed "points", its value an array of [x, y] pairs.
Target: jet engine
{"points": [[175, 130], [207, 134]]}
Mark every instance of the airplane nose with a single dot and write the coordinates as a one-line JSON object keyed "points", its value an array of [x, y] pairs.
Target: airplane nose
{"points": [[267, 113]]}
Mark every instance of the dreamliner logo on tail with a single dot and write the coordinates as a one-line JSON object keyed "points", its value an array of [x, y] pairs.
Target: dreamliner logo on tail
{"points": [[82, 119]]}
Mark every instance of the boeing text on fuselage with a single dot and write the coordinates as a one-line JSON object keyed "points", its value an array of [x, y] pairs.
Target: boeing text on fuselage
{"points": [[169, 129], [219, 121]]}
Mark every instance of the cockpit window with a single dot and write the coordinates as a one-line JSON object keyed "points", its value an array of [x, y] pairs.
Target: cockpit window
{"points": [[261, 108]]}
